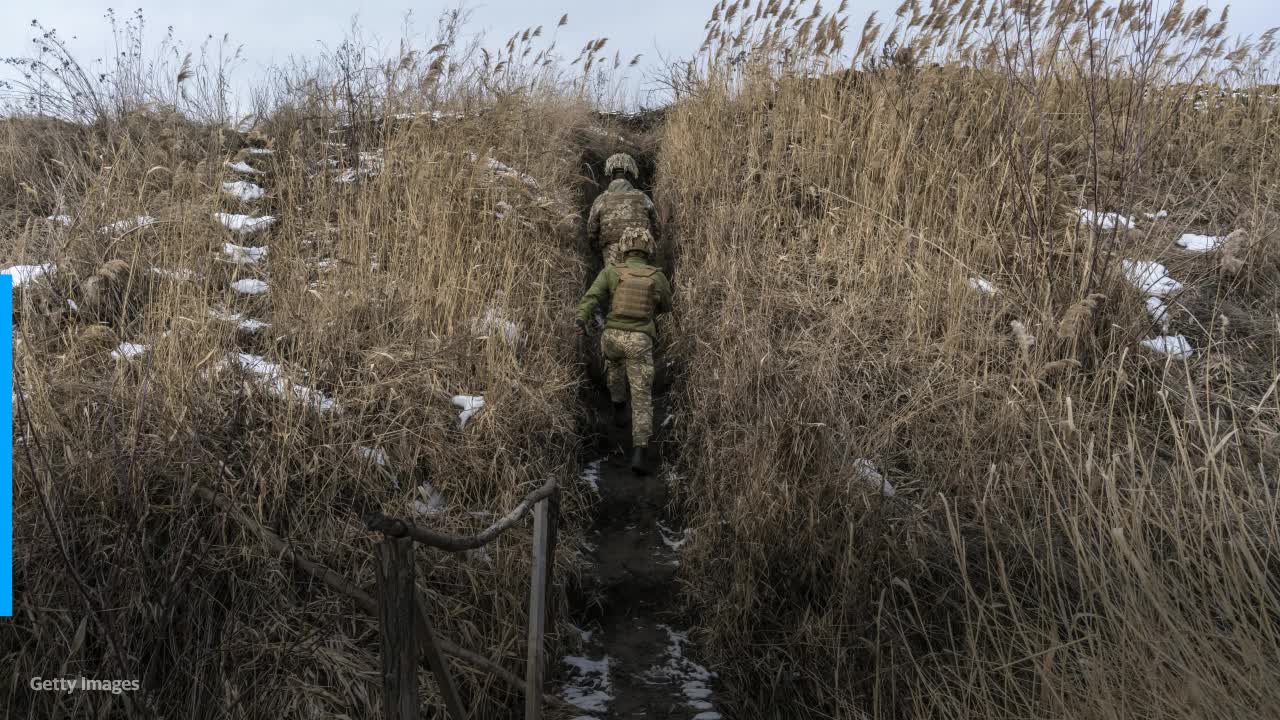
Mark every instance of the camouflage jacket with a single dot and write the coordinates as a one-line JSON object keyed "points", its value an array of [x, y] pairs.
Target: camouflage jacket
{"points": [[607, 282], [619, 207]]}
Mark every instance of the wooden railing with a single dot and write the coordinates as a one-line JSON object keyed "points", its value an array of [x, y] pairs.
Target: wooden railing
{"points": [[406, 624], [408, 635]]}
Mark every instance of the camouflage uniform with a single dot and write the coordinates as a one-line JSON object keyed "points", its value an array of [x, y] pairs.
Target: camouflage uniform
{"points": [[628, 341], [618, 208], [629, 357]]}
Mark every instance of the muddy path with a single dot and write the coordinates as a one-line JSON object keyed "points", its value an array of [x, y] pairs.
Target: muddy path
{"points": [[635, 657]]}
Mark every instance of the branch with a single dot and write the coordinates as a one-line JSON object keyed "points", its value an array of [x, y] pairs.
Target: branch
{"points": [[456, 543]]}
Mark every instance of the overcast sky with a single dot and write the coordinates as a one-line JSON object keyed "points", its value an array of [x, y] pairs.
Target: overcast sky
{"points": [[273, 30]]}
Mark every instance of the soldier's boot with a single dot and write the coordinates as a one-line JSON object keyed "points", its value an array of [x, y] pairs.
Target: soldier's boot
{"points": [[620, 414], [640, 460]]}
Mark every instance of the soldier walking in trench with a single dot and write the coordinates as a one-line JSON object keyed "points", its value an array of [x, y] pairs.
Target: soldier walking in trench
{"points": [[618, 208], [636, 292]]}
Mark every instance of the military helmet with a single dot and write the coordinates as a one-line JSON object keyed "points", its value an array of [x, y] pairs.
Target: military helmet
{"points": [[635, 239], [621, 161]]}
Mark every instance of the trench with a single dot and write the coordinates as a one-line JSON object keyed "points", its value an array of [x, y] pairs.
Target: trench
{"points": [[633, 657]]}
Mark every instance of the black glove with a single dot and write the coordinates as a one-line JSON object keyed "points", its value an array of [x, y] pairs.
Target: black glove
{"points": [[580, 327]]}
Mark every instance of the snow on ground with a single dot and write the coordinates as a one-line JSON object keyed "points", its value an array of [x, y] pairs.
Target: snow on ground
{"points": [[692, 678], [245, 191], [429, 501], [377, 456], [494, 322], [1199, 243], [470, 405], [246, 324], [590, 688], [1150, 277], [243, 167], [1175, 346], [250, 286], [243, 255], [674, 539], [591, 474], [65, 220], [244, 224], [866, 471], [503, 170], [983, 285], [1106, 221], [121, 226], [181, 274], [274, 378], [1159, 215], [260, 151], [128, 351], [23, 274], [1159, 311]]}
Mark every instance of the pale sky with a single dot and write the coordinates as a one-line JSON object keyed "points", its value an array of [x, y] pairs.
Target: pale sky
{"points": [[273, 30]]}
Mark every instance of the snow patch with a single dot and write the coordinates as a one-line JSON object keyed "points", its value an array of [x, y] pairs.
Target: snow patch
{"points": [[122, 226], [243, 167], [1199, 243], [250, 286], [591, 474], [128, 351], [23, 274], [64, 220], [377, 456], [590, 689], [1159, 311], [243, 255], [865, 470], [1150, 277], [244, 224], [247, 324], [983, 286], [275, 379], [470, 404], [260, 151], [181, 274], [1105, 221], [429, 501], [1159, 215], [244, 191], [495, 322], [692, 678], [674, 539], [1175, 346]]}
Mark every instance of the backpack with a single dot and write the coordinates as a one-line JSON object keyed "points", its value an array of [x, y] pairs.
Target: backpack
{"points": [[635, 296]]}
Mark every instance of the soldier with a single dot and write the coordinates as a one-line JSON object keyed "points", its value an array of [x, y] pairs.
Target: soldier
{"points": [[619, 207], [635, 292]]}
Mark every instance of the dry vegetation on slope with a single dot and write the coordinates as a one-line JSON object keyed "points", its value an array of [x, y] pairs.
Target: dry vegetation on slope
{"points": [[409, 262], [1079, 527]]}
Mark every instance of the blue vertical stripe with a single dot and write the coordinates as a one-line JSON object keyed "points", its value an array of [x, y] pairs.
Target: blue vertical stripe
{"points": [[6, 449]]}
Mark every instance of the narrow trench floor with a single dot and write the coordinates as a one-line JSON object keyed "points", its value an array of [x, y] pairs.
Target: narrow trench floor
{"points": [[633, 661]]}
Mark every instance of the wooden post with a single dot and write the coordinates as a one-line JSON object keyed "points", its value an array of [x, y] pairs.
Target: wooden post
{"points": [[397, 614], [553, 537], [439, 667], [537, 611]]}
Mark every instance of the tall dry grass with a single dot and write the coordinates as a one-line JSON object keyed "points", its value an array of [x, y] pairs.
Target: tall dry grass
{"points": [[1080, 528], [430, 273]]}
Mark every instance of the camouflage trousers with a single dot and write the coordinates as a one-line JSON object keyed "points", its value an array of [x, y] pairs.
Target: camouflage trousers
{"points": [[629, 359]]}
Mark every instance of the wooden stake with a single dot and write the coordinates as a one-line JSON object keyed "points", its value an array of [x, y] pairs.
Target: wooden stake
{"points": [[537, 611], [439, 667], [397, 614]]}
